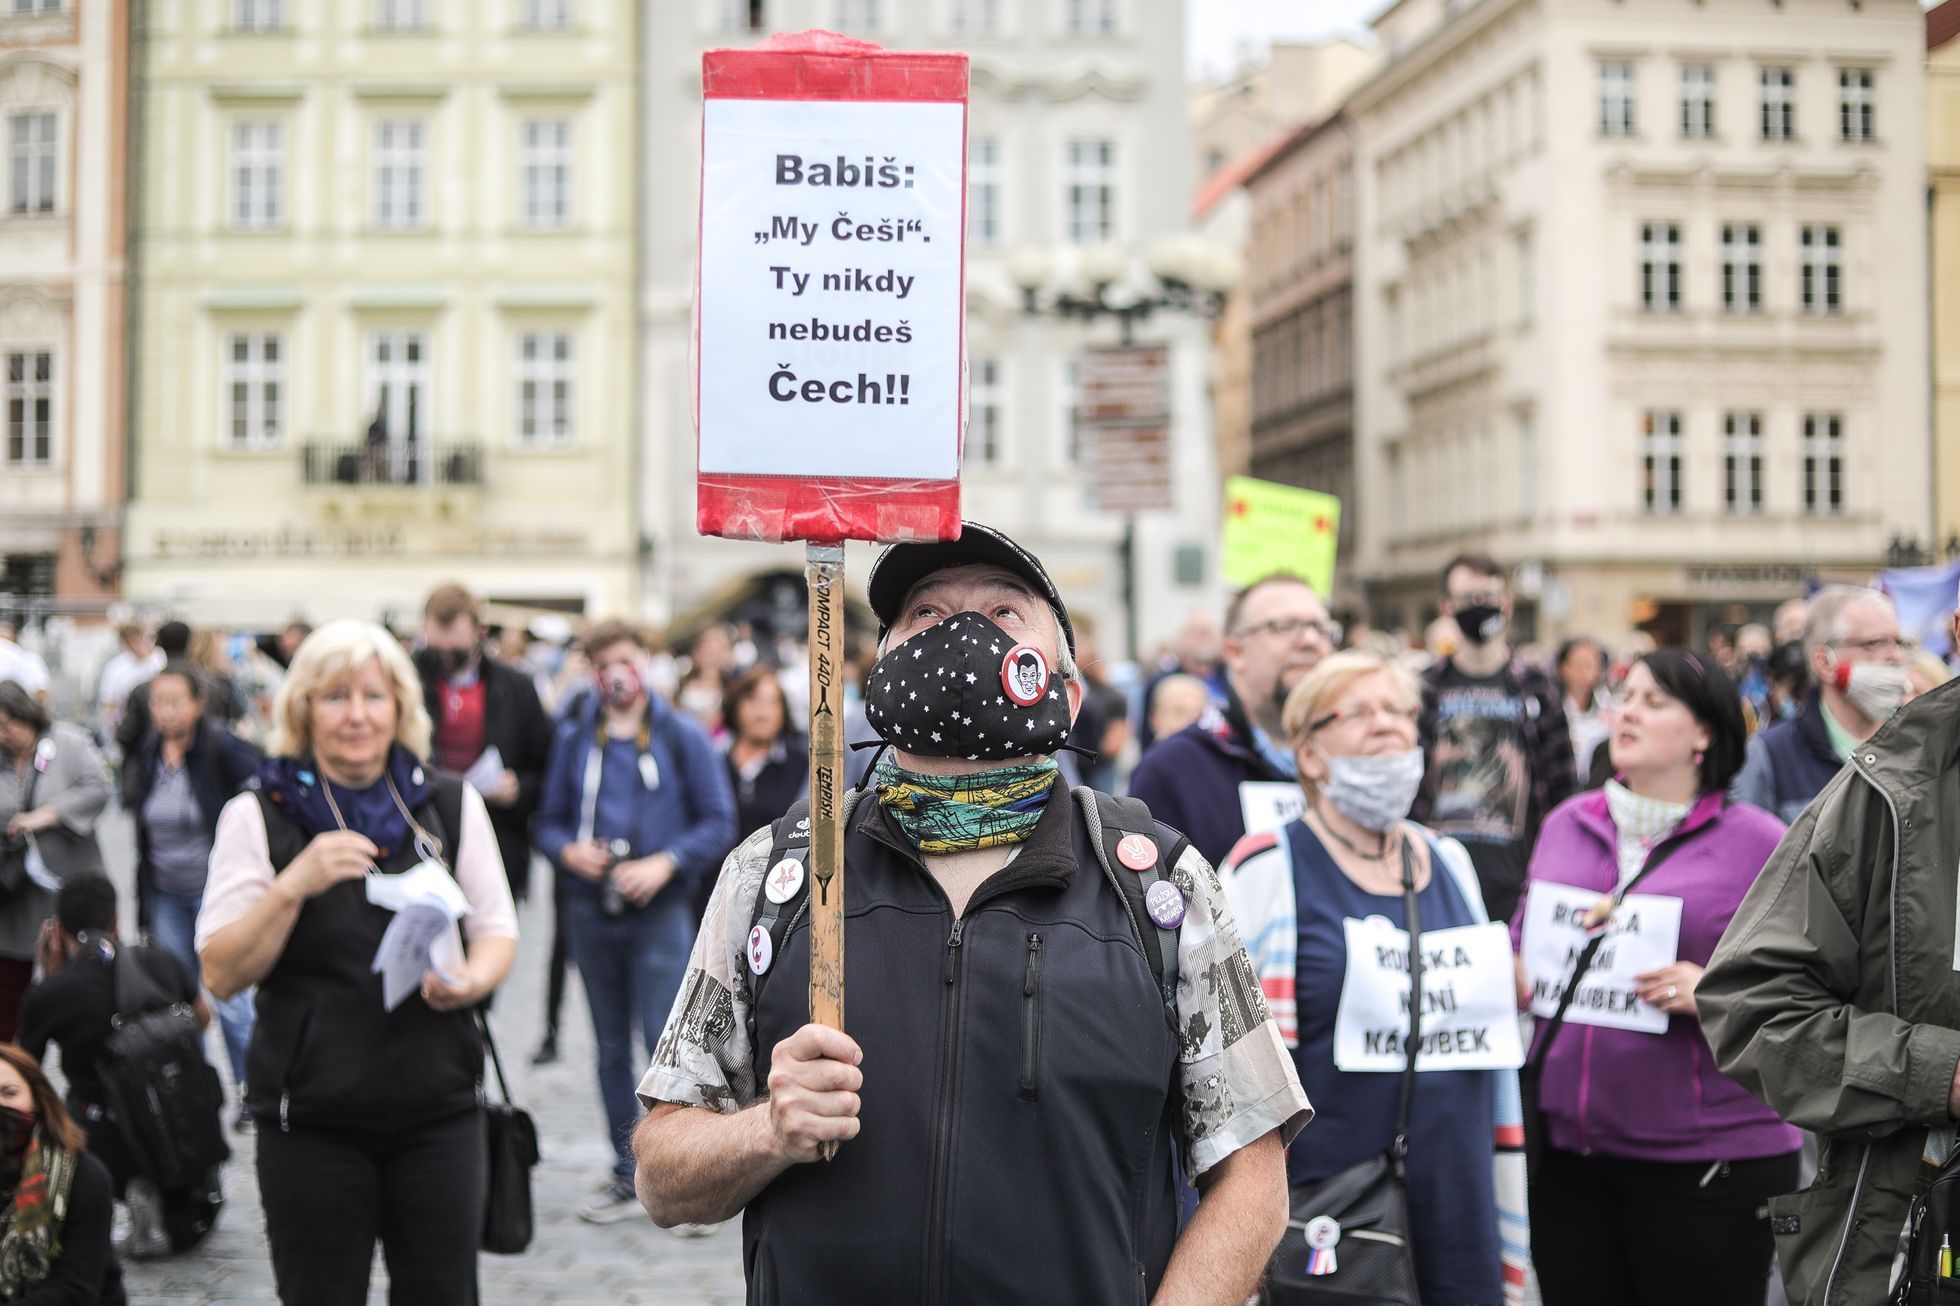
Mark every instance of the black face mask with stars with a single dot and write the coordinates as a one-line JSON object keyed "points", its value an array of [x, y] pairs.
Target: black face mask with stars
{"points": [[964, 688]]}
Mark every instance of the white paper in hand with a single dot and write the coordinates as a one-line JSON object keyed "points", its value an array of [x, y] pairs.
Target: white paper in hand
{"points": [[407, 949], [426, 880], [487, 772]]}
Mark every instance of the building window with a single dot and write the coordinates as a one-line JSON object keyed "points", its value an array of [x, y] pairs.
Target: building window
{"points": [[1742, 463], [1090, 17], [1660, 267], [858, 15], [743, 16], [31, 159], [255, 390], [258, 154], [974, 17], [1823, 269], [1823, 464], [986, 406], [1527, 279], [1697, 101], [983, 186], [1616, 99], [256, 15], [1527, 466], [544, 15], [399, 175], [1779, 104], [1742, 267], [30, 408], [1660, 462], [401, 15], [544, 153], [1857, 105], [400, 386], [1090, 191], [1071, 396], [36, 6], [547, 380]]}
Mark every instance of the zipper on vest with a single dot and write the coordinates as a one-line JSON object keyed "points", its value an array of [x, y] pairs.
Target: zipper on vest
{"points": [[942, 1146], [1031, 1018]]}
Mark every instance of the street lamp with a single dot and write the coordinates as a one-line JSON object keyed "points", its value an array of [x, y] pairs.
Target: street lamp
{"points": [[1181, 273], [1187, 273]]}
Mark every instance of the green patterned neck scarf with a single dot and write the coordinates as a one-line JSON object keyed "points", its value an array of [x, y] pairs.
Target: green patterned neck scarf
{"points": [[960, 813]]}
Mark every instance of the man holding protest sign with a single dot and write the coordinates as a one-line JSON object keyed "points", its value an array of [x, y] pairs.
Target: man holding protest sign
{"points": [[1048, 993]]}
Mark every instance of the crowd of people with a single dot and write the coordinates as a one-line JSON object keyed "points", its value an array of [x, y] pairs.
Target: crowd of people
{"points": [[1149, 909]]}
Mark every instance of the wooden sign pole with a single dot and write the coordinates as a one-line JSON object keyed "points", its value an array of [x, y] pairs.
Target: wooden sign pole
{"points": [[824, 571]]}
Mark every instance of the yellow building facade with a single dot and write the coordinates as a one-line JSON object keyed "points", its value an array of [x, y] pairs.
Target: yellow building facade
{"points": [[1943, 177], [385, 271]]}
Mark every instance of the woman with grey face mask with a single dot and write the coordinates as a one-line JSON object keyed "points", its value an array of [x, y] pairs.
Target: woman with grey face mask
{"points": [[1323, 907]]}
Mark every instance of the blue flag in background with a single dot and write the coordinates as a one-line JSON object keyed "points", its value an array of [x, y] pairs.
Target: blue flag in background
{"points": [[1925, 596]]}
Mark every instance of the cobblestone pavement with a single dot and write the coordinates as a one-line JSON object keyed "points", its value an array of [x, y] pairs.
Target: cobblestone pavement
{"points": [[570, 1261]]}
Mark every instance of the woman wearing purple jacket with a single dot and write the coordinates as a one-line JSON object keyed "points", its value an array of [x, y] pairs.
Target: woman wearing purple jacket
{"points": [[1656, 1167]]}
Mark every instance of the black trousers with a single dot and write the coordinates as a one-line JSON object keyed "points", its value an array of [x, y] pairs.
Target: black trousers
{"points": [[1611, 1232], [329, 1194], [554, 984]]}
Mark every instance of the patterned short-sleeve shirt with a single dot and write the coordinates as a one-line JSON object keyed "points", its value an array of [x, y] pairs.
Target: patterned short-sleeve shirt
{"points": [[1236, 1077]]}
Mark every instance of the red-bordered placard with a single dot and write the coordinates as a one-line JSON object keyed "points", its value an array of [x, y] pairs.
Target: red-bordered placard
{"points": [[829, 330]]}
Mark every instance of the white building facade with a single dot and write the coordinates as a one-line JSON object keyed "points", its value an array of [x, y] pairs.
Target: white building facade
{"points": [[1078, 137], [1641, 303]]}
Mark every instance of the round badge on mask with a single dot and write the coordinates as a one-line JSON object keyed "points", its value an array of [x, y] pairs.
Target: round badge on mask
{"points": [[1024, 675]]}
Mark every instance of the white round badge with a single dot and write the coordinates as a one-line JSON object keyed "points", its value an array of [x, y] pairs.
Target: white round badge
{"points": [[785, 878], [762, 950], [1024, 675], [1323, 1231]]}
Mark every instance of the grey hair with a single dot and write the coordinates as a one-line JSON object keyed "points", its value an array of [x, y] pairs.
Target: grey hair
{"points": [[1065, 666], [1824, 624]]}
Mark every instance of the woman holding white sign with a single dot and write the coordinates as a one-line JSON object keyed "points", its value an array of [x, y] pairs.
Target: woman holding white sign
{"points": [[1656, 1167], [1325, 912]]}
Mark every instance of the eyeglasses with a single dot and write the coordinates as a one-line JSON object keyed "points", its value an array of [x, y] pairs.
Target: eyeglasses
{"points": [[1879, 647], [1291, 628], [1366, 712]]}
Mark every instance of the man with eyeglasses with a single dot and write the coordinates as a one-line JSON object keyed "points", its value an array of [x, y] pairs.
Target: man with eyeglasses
{"points": [[1857, 660], [1230, 774], [1494, 731]]}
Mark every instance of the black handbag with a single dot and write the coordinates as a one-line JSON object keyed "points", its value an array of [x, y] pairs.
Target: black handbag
{"points": [[1347, 1239], [513, 1142], [13, 847], [1932, 1224]]}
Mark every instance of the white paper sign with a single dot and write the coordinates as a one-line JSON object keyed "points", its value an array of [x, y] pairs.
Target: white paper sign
{"points": [[416, 942], [487, 772], [1644, 935], [1469, 1000], [832, 293], [1270, 804]]}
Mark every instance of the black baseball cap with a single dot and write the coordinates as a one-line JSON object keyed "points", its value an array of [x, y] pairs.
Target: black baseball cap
{"points": [[902, 566]]}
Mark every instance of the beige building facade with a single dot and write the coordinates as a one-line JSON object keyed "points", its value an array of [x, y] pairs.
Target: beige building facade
{"points": [[1641, 304], [1943, 181], [386, 258], [1301, 302], [64, 77]]}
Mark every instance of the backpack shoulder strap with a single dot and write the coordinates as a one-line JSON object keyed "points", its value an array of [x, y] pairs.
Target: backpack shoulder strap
{"points": [[1115, 819], [446, 798], [789, 841], [135, 991]]}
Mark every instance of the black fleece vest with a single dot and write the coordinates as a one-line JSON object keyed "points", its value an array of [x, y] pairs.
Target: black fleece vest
{"points": [[1019, 1090], [324, 1053]]}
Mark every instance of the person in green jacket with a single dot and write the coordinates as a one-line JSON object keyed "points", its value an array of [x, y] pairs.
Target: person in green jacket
{"points": [[1833, 997]]}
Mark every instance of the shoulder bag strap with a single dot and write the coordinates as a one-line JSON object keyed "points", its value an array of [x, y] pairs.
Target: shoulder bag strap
{"points": [[1591, 950], [496, 1062], [1399, 1149], [135, 991]]}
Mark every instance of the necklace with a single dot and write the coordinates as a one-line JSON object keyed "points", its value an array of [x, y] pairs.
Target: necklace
{"points": [[1379, 856], [426, 845]]}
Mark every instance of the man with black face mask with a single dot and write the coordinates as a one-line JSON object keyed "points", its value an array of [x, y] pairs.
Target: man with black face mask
{"points": [[1046, 996], [477, 704], [1494, 730]]}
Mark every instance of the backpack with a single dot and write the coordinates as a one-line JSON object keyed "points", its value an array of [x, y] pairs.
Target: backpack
{"points": [[166, 1097], [1114, 817]]}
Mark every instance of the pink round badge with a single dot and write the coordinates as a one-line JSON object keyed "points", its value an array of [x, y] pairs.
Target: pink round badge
{"points": [[1136, 851]]}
